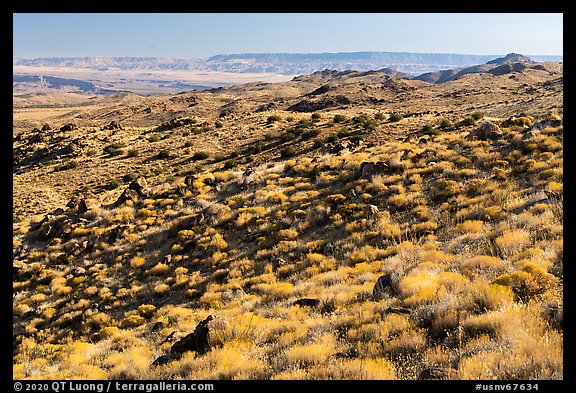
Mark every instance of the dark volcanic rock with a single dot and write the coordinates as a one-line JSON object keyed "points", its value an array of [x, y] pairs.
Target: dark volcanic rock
{"points": [[313, 106], [386, 284], [68, 127], [369, 169], [197, 341], [307, 302], [113, 125], [88, 204], [434, 373], [139, 185]]}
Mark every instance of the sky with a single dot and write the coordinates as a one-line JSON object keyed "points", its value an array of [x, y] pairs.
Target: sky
{"points": [[201, 35]]}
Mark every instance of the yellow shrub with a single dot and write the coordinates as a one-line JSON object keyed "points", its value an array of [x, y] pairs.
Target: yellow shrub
{"points": [[146, 310], [281, 290], [311, 354], [81, 232], [132, 321], [490, 296], [287, 234], [98, 320], [512, 241], [472, 226], [160, 269], [185, 234], [277, 197], [137, 262], [161, 289], [555, 186], [481, 263], [243, 219]]}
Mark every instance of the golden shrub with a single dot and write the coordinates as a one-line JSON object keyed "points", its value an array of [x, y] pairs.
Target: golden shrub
{"points": [[512, 241], [160, 269], [161, 289], [137, 262], [132, 321], [470, 226]]}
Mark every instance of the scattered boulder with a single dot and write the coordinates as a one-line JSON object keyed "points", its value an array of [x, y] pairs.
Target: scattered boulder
{"points": [[127, 195], [530, 134], [487, 131], [545, 123], [46, 127], [386, 285], [88, 204], [397, 310], [113, 125], [307, 302], [68, 127], [434, 373], [369, 169], [340, 146], [189, 180], [140, 186], [370, 211], [197, 341], [73, 203], [164, 359], [36, 138]]}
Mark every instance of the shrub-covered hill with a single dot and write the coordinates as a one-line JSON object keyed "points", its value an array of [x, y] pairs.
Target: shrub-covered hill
{"points": [[434, 256]]}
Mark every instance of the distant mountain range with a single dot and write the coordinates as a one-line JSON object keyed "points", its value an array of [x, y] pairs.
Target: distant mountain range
{"points": [[141, 75], [280, 63]]}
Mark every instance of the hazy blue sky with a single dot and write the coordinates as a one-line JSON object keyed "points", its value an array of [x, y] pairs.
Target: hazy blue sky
{"points": [[203, 35]]}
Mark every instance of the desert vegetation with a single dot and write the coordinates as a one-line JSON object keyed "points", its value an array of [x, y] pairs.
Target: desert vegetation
{"points": [[339, 244]]}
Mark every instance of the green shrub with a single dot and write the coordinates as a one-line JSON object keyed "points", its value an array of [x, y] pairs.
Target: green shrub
{"points": [[273, 118], [219, 124], [127, 178], [114, 184], [370, 125], [469, 121], [289, 136], [310, 134], [133, 153], [477, 115], [395, 117], [231, 164], [114, 149], [258, 147], [163, 154], [316, 116], [318, 143], [288, 151], [67, 165], [154, 138], [444, 124], [201, 155], [379, 116], [330, 138], [339, 119]]}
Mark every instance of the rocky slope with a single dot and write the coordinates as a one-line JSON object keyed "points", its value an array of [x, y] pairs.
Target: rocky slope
{"points": [[414, 231]]}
